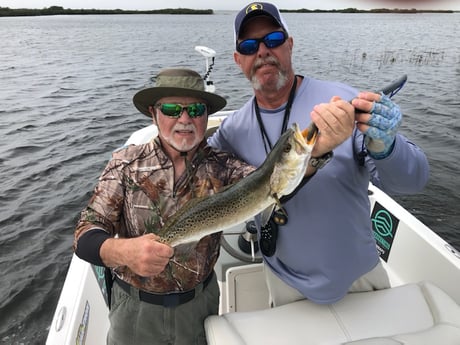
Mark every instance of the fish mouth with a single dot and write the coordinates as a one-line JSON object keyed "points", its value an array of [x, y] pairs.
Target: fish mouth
{"points": [[310, 134], [304, 140]]}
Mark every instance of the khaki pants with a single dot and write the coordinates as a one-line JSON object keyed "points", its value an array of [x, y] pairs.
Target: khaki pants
{"points": [[133, 322], [280, 293]]}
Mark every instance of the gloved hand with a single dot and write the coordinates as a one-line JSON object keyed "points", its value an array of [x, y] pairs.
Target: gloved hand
{"points": [[384, 123]]}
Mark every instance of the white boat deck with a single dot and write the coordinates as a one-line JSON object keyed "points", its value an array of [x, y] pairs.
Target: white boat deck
{"points": [[424, 271]]}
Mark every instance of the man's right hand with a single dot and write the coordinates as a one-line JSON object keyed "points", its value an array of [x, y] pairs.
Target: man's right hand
{"points": [[144, 255], [335, 121]]}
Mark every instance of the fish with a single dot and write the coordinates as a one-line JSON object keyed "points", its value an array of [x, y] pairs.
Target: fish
{"points": [[280, 173]]}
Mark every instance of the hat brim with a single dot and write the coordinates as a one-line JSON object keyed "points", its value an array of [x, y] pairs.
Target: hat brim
{"points": [[147, 97]]}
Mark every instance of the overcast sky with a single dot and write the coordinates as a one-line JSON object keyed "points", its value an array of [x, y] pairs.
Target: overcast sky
{"points": [[233, 4]]}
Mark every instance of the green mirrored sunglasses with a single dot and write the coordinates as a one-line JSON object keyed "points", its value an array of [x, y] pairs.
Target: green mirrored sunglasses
{"points": [[175, 109]]}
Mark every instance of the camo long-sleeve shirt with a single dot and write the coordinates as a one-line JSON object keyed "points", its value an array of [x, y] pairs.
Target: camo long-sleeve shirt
{"points": [[136, 194]]}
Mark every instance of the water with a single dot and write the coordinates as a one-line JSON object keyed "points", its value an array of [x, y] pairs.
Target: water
{"points": [[65, 103]]}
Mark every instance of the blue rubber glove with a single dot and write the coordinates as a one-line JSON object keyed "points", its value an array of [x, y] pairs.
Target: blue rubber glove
{"points": [[384, 123]]}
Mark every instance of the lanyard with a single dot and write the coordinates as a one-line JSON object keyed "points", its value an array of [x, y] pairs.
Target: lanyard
{"points": [[287, 113]]}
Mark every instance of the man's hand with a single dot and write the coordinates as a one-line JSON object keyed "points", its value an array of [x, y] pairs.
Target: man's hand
{"points": [[144, 255], [379, 120], [335, 121]]}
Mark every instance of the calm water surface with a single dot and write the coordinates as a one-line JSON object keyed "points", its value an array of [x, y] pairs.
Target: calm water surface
{"points": [[65, 103]]}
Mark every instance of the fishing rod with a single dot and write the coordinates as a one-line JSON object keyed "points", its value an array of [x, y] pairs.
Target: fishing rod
{"points": [[393, 88]]}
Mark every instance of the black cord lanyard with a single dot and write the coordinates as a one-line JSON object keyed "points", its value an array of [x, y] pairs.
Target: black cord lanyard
{"points": [[287, 113], [279, 216]]}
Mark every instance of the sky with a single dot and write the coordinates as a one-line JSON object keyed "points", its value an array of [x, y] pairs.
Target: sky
{"points": [[233, 4]]}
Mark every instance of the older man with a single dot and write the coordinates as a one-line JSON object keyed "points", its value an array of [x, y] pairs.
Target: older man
{"points": [[322, 245], [156, 299]]}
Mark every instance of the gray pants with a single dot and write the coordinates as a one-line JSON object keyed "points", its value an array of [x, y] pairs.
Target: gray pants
{"points": [[133, 322]]}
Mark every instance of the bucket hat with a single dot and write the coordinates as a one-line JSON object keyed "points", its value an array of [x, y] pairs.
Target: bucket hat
{"points": [[177, 82]]}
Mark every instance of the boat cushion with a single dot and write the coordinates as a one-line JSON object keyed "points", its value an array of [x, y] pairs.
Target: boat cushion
{"points": [[415, 314]]}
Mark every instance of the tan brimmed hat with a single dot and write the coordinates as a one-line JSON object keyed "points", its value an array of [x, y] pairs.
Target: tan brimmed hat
{"points": [[177, 82]]}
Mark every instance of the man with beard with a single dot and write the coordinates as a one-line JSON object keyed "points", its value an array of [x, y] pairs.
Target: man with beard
{"points": [[160, 295], [319, 245]]}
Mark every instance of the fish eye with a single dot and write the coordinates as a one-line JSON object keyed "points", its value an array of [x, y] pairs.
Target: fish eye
{"points": [[287, 148]]}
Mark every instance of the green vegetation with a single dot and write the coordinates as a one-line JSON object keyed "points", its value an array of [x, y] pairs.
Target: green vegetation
{"points": [[55, 10], [377, 10]]}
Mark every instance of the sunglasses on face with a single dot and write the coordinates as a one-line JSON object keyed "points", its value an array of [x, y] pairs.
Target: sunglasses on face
{"points": [[251, 45], [175, 110]]}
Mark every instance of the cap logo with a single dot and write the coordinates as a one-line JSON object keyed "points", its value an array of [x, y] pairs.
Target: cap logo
{"points": [[254, 7]]}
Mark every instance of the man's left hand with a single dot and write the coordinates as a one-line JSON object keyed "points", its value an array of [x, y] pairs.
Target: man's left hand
{"points": [[379, 120]]}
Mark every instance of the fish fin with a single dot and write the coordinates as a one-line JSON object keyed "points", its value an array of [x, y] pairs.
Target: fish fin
{"points": [[279, 215], [277, 200], [184, 248], [266, 214]]}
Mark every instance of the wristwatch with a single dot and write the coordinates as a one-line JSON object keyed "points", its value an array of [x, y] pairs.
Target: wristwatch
{"points": [[319, 162]]}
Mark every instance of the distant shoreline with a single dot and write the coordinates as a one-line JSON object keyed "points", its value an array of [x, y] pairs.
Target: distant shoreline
{"points": [[376, 10], [58, 10]]}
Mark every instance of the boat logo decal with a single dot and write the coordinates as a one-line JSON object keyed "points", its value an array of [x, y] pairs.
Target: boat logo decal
{"points": [[83, 328], [99, 272], [384, 226]]}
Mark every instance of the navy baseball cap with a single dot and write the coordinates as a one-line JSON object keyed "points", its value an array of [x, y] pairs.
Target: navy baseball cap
{"points": [[255, 9]]}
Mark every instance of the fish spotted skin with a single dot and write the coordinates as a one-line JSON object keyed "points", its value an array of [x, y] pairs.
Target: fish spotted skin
{"points": [[281, 172]]}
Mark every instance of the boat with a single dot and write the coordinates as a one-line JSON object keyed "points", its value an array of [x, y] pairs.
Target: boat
{"points": [[421, 307]]}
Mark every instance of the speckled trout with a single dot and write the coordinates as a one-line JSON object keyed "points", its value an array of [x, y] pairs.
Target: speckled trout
{"points": [[279, 175]]}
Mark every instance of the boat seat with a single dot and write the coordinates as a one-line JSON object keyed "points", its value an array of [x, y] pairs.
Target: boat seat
{"points": [[412, 314]]}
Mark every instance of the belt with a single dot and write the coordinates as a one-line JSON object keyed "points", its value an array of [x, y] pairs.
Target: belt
{"points": [[168, 300]]}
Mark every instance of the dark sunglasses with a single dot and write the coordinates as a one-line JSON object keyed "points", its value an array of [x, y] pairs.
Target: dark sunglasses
{"points": [[251, 45], [175, 110]]}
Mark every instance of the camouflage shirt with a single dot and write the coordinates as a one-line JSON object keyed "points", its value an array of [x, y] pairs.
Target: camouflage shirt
{"points": [[136, 194]]}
